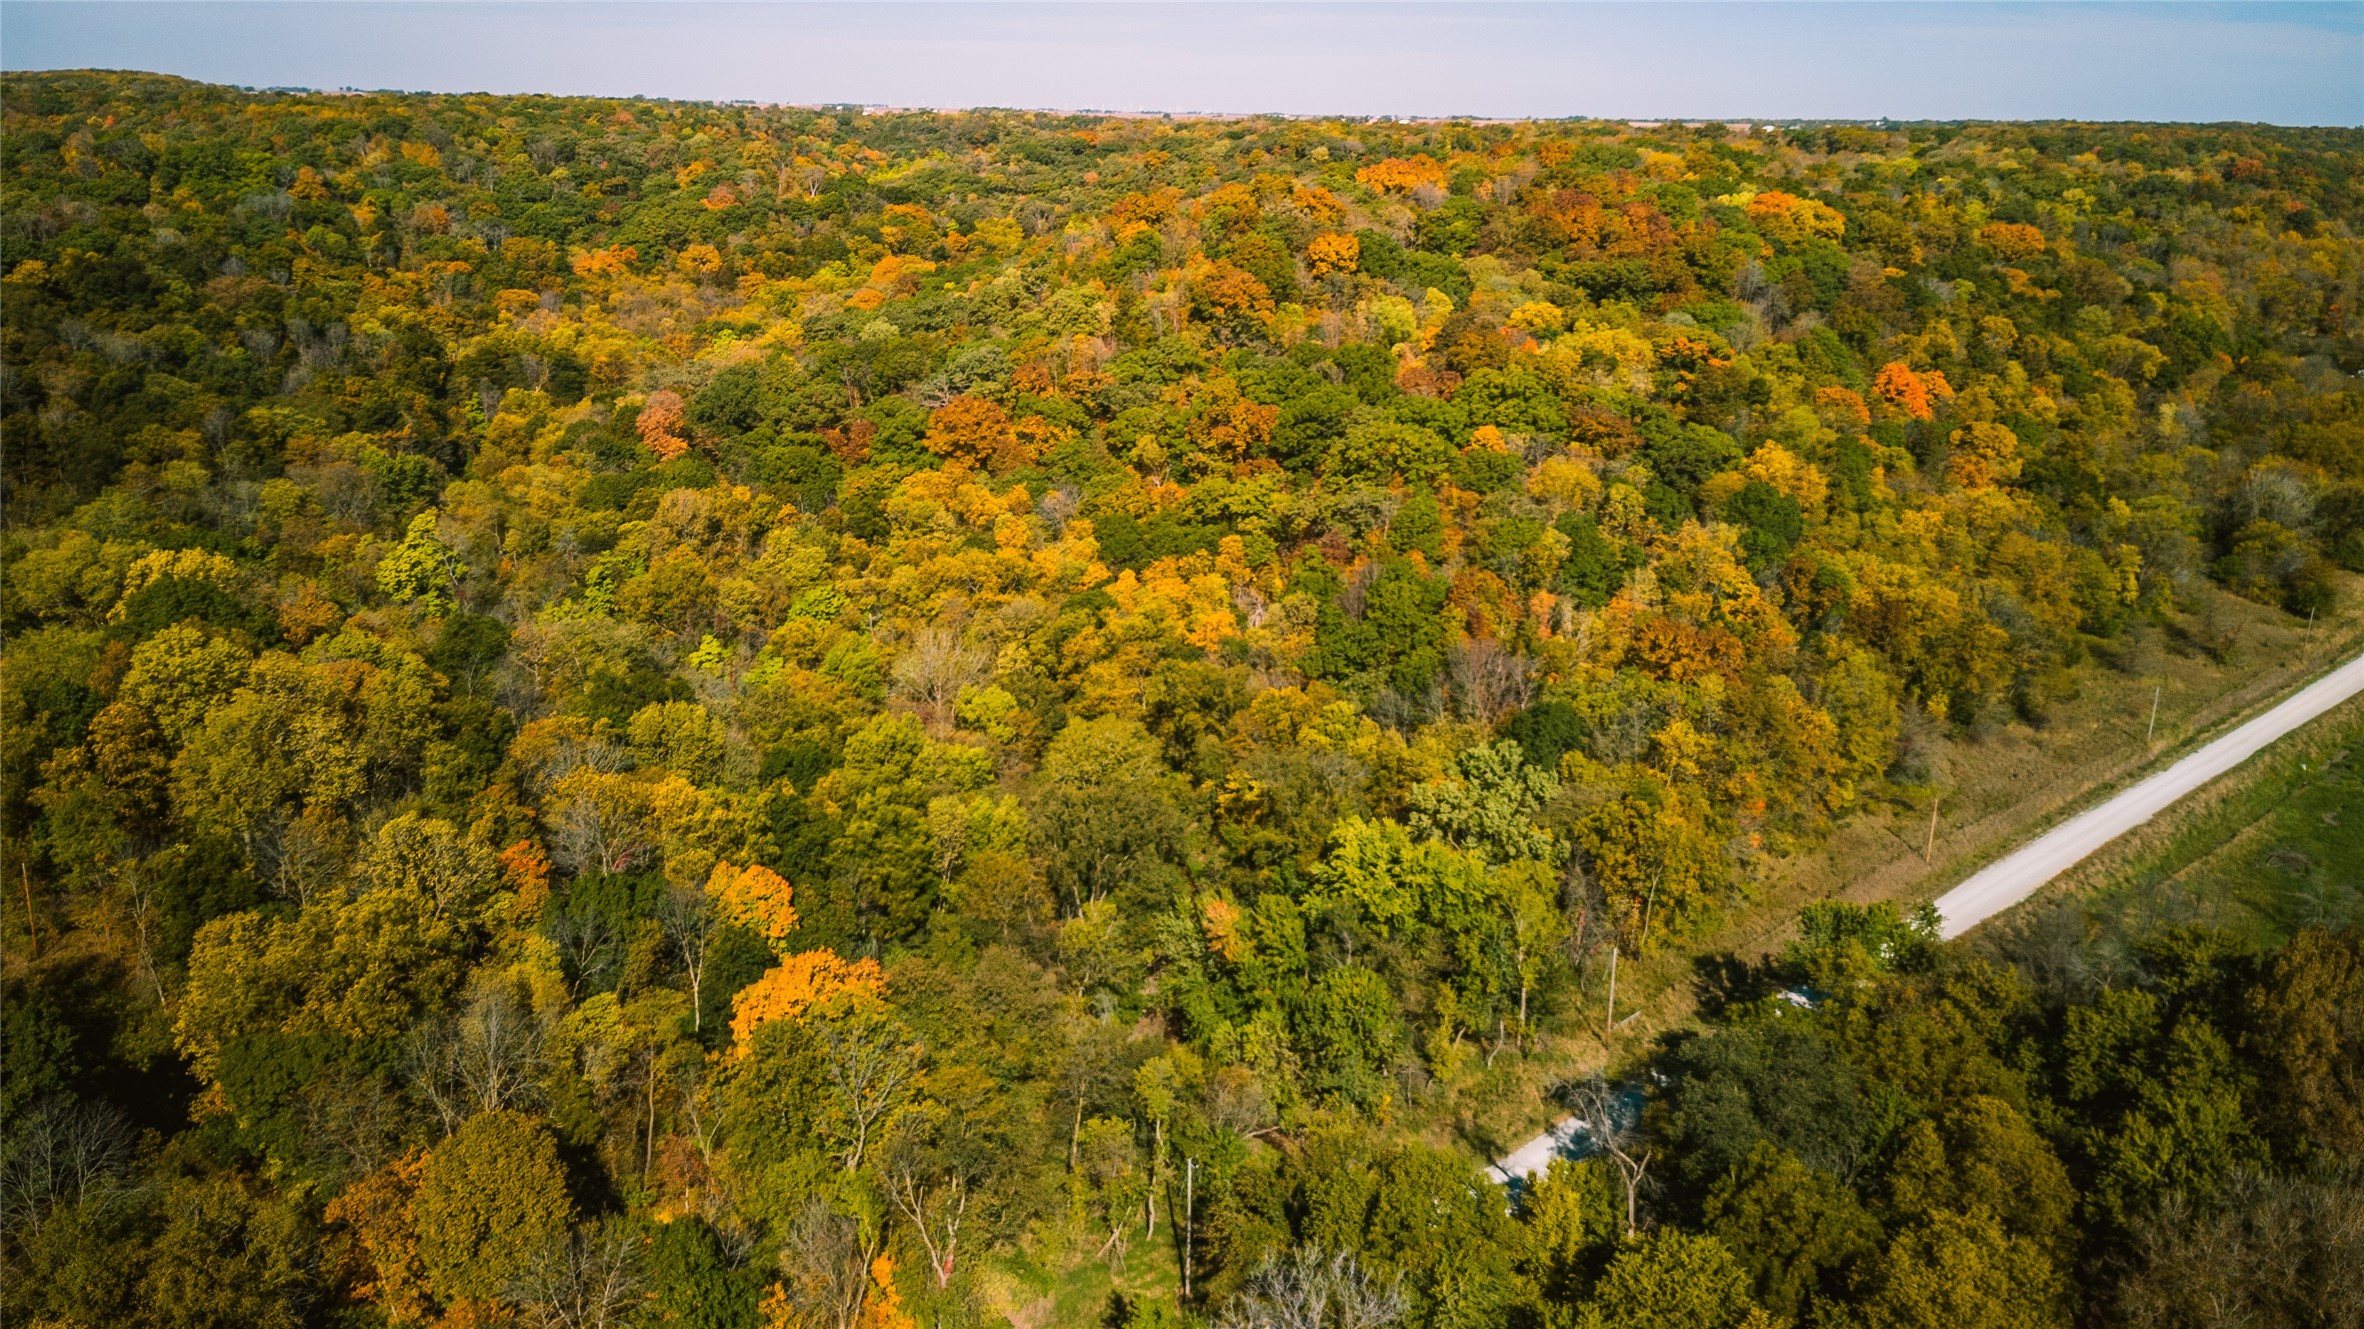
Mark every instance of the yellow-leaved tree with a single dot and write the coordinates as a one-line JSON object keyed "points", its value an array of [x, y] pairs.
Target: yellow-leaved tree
{"points": [[755, 898]]}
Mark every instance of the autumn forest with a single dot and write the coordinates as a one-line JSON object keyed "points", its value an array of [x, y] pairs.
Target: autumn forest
{"points": [[629, 713]]}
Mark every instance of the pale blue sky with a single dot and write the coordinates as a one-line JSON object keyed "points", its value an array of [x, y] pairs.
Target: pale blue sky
{"points": [[2091, 59]]}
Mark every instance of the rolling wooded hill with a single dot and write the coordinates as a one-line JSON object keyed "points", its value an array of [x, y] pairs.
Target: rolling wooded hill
{"points": [[644, 713]]}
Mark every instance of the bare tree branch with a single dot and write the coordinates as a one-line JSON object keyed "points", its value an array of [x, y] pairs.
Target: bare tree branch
{"points": [[1310, 1288], [589, 1281], [1610, 1120]]}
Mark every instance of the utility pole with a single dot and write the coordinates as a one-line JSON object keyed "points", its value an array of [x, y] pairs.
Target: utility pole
{"points": [[2156, 689], [1189, 1215], [1929, 850], [1609, 1024]]}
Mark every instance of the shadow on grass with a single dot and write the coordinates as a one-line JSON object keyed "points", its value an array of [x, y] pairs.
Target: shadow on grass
{"points": [[1722, 981]]}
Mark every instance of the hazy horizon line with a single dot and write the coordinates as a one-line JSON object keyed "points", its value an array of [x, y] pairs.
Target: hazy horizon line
{"points": [[1761, 61]]}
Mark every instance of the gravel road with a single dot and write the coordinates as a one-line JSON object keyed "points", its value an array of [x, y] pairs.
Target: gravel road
{"points": [[2021, 873]]}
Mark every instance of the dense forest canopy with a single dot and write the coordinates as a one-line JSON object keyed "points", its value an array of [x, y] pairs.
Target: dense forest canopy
{"points": [[641, 713]]}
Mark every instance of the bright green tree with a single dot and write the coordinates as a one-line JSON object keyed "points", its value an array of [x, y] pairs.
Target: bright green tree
{"points": [[1671, 1279]]}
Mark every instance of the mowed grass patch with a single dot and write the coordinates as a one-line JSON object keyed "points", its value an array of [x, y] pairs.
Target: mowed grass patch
{"points": [[2000, 786], [1993, 790], [2272, 848]]}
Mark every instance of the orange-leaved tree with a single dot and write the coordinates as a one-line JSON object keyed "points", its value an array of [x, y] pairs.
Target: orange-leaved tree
{"points": [[1333, 253], [1319, 204], [1841, 407], [884, 1309], [1793, 220], [796, 985], [525, 869], [1401, 175], [660, 425], [1230, 297], [1230, 425], [376, 1212], [976, 431], [1913, 393], [2013, 242]]}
